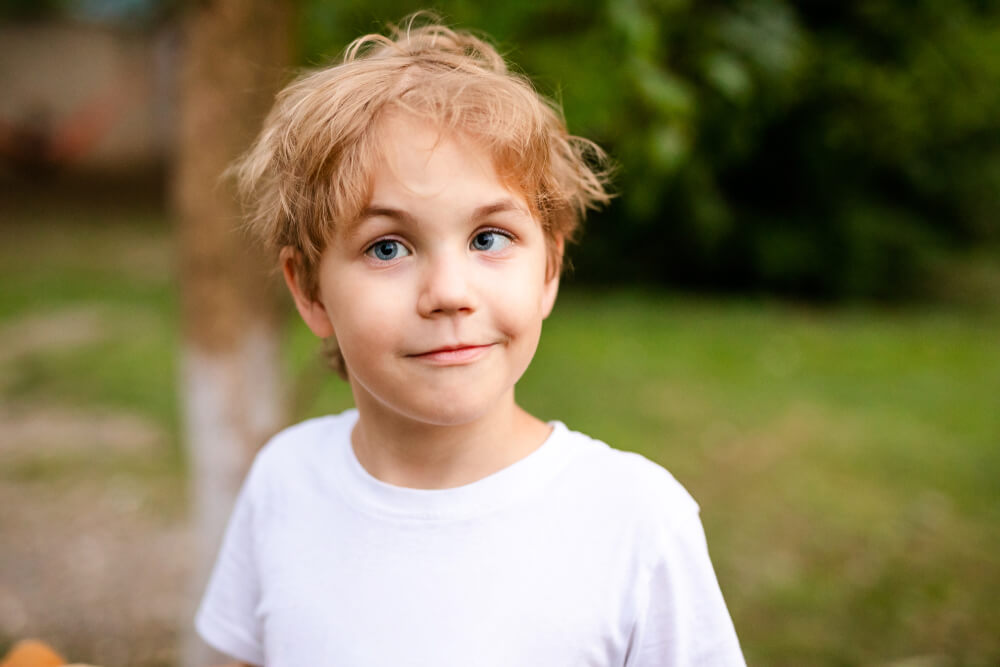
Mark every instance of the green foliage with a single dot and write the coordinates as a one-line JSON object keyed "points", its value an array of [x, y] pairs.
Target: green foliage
{"points": [[19, 10], [816, 148]]}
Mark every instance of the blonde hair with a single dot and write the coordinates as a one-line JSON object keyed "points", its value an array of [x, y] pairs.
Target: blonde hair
{"points": [[310, 167]]}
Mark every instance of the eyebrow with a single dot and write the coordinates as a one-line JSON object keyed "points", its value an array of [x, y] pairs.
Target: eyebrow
{"points": [[480, 213], [501, 206]]}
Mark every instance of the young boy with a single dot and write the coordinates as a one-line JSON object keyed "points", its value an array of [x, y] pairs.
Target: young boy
{"points": [[419, 196]]}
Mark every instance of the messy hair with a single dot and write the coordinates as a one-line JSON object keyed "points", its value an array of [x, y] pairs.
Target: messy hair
{"points": [[310, 168]]}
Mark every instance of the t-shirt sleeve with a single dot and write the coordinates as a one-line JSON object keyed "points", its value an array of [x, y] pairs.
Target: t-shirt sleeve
{"points": [[682, 619], [227, 618]]}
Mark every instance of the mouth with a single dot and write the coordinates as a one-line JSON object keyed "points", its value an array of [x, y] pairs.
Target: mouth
{"points": [[454, 354]]}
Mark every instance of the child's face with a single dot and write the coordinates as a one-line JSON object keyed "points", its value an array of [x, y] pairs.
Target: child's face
{"points": [[437, 294]]}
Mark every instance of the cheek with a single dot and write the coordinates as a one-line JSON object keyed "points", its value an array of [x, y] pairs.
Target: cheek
{"points": [[363, 322], [366, 351], [520, 305], [365, 326]]}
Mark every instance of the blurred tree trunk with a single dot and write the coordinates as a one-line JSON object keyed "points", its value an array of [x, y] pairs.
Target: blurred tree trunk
{"points": [[235, 54]]}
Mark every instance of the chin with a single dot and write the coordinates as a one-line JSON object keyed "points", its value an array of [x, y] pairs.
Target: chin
{"points": [[449, 413], [453, 401]]}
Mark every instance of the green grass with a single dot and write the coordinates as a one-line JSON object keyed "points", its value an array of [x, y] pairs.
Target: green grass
{"points": [[846, 460], [93, 305]]}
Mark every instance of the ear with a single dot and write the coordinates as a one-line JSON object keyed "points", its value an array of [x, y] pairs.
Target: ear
{"points": [[313, 312], [551, 289]]}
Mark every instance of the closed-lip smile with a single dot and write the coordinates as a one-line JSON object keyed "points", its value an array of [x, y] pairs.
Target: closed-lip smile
{"points": [[447, 355]]}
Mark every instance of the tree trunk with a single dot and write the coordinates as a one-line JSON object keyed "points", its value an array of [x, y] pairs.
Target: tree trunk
{"points": [[235, 54]]}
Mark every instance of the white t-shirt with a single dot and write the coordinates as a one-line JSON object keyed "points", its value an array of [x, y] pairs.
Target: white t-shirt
{"points": [[576, 555]]}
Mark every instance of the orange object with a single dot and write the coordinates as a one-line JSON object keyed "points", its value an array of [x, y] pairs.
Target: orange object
{"points": [[32, 653]]}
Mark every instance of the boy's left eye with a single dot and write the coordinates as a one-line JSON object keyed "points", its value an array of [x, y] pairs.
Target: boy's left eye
{"points": [[387, 250], [490, 240]]}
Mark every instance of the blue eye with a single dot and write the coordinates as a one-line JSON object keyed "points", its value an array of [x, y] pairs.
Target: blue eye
{"points": [[490, 240], [386, 250]]}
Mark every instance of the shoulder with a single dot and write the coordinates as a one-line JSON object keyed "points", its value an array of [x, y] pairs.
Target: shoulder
{"points": [[303, 445], [310, 431], [630, 484]]}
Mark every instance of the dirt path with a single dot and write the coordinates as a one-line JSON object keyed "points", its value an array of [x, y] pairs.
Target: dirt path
{"points": [[93, 543]]}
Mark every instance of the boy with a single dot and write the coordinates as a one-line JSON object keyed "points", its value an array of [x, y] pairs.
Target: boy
{"points": [[420, 196]]}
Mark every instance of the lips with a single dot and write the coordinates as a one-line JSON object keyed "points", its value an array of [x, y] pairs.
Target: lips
{"points": [[454, 354]]}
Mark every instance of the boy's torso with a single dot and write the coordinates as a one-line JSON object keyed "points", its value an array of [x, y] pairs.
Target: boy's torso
{"points": [[547, 562], [529, 568]]}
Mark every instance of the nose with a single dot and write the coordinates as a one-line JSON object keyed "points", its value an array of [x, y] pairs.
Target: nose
{"points": [[446, 286]]}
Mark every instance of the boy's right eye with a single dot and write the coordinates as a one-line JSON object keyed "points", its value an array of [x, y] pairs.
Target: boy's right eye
{"points": [[387, 249]]}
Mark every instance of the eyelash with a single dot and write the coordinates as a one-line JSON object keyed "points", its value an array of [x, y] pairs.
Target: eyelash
{"points": [[372, 246], [485, 230], [494, 230]]}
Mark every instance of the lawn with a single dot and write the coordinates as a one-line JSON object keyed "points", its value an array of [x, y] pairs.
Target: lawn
{"points": [[846, 459]]}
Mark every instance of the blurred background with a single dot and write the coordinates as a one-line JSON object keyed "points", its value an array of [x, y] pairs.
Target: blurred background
{"points": [[793, 303]]}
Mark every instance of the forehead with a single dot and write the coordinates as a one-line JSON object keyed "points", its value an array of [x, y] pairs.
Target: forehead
{"points": [[414, 168], [419, 159], [432, 170]]}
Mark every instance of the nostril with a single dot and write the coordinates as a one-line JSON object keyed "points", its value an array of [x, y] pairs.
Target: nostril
{"points": [[446, 289]]}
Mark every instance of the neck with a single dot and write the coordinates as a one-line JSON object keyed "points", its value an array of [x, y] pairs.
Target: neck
{"points": [[405, 452]]}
